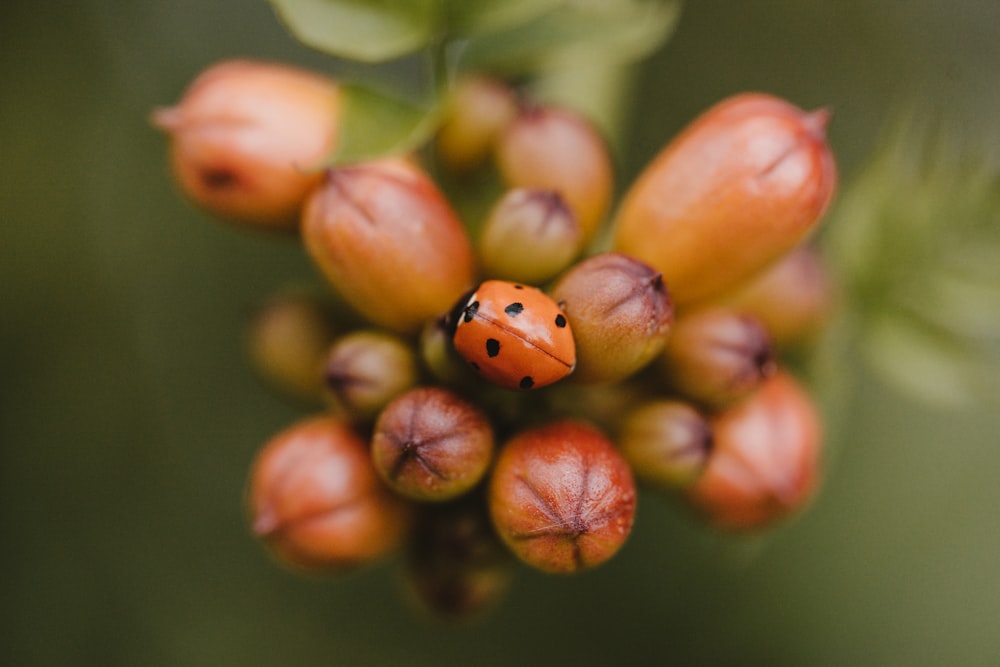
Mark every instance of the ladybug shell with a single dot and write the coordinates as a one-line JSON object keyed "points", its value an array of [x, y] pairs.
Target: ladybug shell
{"points": [[515, 336]]}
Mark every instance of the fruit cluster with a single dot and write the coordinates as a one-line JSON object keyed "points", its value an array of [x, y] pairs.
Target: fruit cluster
{"points": [[499, 386]]}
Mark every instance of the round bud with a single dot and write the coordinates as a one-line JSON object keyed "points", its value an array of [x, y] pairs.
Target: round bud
{"points": [[529, 236], [793, 298], [547, 148], [717, 356], [621, 314], [315, 500], [477, 111], [667, 443], [456, 567], [248, 140], [740, 187], [431, 445], [386, 238], [765, 462], [367, 369], [562, 497], [287, 341]]}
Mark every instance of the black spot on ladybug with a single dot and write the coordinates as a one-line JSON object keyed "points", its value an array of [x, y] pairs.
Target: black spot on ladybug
{"points": [[518, 286], [492, 347], [514, 309], [527, 382], [474, 366], [560, 321], [470, 311]]}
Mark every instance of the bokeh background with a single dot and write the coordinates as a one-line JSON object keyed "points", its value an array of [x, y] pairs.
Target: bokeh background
{"points": [[129, 414]]}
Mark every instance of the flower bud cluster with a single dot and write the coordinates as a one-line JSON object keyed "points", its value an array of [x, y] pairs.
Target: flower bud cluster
{"points": [[500, 389]]}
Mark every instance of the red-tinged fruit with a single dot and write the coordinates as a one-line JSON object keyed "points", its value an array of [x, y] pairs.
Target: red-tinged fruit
{"points": [[562, 497], [431, 445], [315, 500], [514, 335], [765, 462], [621, 314], [248, 140], [388, 241], [547, 148], [368, 368], [667, 443], [737, 189], [478, 110]]}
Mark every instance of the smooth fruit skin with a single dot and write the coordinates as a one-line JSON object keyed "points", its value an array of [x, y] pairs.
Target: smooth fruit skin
{"points": [[388, 241], [562, 497], [314, 498], [736, 190], [478, 110], [248, 140], [515, 336], [765, 462], [547, 148]]}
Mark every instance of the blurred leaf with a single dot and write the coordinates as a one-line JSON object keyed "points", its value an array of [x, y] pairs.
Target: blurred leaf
{"points": [[467, 17], [916, 239], [365, 30], [620, 31], [375, 124]]}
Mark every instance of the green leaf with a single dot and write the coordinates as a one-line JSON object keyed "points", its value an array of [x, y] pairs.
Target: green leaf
{"points": [[365, 30], [374, 124], [621, 31], [467, 17]]}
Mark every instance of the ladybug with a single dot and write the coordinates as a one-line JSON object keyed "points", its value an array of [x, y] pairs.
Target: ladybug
{"points": [[513, 335]]}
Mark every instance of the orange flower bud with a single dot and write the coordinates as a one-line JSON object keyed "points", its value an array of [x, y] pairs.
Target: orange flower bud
{"points": [[667, 443], [620, 313], [248, 140], [793, 298], [764, 463], [740, 187], [478, 111], [315, 499], [562, 497], [556, 149], [386, 238], [368, 368]]}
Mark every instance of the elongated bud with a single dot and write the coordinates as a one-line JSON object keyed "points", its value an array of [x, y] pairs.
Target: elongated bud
{"points": [[765, 463], [478, 110], [287, 341], [620, 312], [431, 445], [367, 369], [793, 298], [248, 140], [315, 500], [456, 566], [717, 356], [529, 237], [387, 240], [561, 497], [556, 149], [740, 187], [667, 443]]}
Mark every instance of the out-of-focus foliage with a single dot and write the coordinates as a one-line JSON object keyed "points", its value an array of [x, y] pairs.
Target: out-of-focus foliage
{"points": [[516, 37], [916, 241]]}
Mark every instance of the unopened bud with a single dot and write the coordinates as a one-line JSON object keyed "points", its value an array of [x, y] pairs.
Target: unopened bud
{"points": [[315, 500], [529, 237], [367, 369], [740, 187], [765, 462], [555, 149], [388, 241], [667, 443], [431, 445], [620, 312], [248, 140], [717, 356], [477, 112], [562, 497]]}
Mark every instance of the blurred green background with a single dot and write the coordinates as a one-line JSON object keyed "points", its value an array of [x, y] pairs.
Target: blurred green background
{"points": [[129, 415]]}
